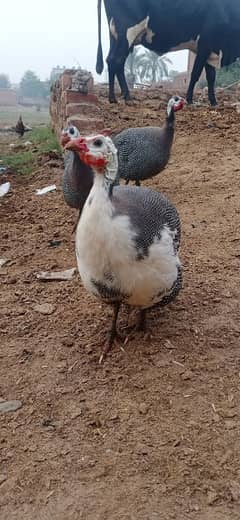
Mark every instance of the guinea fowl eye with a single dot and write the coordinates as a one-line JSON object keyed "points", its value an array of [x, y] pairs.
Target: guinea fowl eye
{"points": [[98, 142]]}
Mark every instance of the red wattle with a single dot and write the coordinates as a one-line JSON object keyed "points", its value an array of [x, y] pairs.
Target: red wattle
{"points": [[94, 162]]}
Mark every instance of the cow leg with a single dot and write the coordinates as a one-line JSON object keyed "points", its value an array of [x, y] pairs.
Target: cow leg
{"points": [[123, 83], [111, 75], [199, 63], [211, 76]]}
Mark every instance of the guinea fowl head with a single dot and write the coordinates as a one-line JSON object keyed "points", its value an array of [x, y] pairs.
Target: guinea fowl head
{"points": [[98, 152], [174, 104], [70, 132]]}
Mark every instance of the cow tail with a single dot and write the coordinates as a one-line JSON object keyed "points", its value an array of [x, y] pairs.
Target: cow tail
{"points": [[99, 64]]}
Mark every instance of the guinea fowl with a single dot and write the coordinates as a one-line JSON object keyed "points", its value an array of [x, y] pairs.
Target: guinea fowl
{"points": [[20, 127], [78, 177], [127, 239], [143, 152]]}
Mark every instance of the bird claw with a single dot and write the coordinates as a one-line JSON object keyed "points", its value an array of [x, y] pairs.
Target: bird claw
{"points": [[109, 345]]}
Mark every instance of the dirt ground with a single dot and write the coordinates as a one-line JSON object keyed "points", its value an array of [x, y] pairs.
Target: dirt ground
{"points": [[153, 433]]}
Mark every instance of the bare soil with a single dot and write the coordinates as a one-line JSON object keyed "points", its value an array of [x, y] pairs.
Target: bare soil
{"points": [[153, 433]]}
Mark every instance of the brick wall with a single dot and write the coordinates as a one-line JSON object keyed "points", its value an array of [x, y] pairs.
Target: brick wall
{"points": [[73, 101]]}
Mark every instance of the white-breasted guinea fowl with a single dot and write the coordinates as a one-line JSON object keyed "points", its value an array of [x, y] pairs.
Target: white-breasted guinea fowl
{"points": [[77, 178], [127, 239], [143, 152]]}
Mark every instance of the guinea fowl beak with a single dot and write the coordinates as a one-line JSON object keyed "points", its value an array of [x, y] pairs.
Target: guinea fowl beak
{"points": [[64, 139], [76, 145]]}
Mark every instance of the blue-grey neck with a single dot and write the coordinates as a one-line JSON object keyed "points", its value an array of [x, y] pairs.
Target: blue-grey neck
{"points": [[77, 180]]}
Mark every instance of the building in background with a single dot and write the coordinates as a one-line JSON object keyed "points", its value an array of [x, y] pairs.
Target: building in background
{"points": [[8, 97]]}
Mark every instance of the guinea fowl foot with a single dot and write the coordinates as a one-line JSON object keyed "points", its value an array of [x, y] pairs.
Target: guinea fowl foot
{"points": [[112, 335], [140, 325]]}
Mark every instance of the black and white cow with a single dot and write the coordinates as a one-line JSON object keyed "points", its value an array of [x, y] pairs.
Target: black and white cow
{"points": [[210, 28]]}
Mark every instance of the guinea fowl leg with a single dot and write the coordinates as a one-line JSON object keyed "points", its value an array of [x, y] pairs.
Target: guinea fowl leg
{"points": [[112, 333], [141, 323]]}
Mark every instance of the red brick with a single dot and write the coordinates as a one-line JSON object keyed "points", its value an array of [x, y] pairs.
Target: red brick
{"points": [[86, 125], [85, 109], [77, 97]]}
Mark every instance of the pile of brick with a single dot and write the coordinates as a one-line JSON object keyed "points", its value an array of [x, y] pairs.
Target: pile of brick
{"points": [[73, 101]]}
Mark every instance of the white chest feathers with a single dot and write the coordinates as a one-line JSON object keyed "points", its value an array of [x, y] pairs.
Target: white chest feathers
{"points": [[108, 259]]}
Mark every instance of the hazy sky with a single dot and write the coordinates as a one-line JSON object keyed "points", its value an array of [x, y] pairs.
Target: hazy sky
{"points": [[38, 35]]}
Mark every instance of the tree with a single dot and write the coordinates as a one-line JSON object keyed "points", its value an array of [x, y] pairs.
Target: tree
{"points": [[4, 81], [153, 67], [133, 67], [172, 74], [31, 85], [145, 66]]}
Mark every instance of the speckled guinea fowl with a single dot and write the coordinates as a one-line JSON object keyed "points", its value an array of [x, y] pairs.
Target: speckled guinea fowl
{"points": [[127, 239], [143, 152]]}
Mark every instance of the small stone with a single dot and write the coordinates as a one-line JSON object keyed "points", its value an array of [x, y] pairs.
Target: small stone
{"points": [[230, 425], [114, 417], [211, 497], [196, 507], [229, 414], [143, 408], [44, 308], [96, 422], [177, 443], [12, 280], [10, 406], [68, 342], [57, 275], [54, 243], [77, 414], [187, 375], [227, 294], [141, 449], [3, 261], [20, 311]]}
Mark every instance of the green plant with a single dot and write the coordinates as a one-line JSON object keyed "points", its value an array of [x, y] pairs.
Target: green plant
{"points": [[23, 162], [44, 139]]}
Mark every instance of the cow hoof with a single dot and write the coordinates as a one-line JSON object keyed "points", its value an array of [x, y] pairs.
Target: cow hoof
{"points": [[130, 102], [214, 104], [113, 100]]}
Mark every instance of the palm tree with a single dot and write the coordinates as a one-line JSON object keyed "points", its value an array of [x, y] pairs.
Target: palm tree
{"points": [[153, 67], [133, 66]]}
